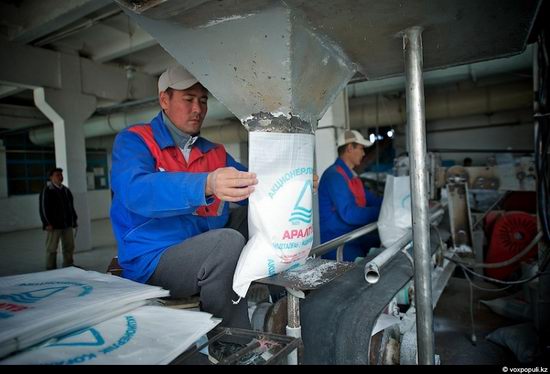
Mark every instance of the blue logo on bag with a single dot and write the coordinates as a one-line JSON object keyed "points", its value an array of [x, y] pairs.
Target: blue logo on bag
{"points": [[92, 337], [32, 296], [87, 337], [299, 213]]}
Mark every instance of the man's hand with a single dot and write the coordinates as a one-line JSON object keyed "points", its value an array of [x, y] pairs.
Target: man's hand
{"points": [[49, 228], [229, 184], [315, 183]]}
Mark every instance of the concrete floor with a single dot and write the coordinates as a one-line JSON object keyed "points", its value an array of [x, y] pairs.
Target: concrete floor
{"points": [[453, 328], [24, 251]]}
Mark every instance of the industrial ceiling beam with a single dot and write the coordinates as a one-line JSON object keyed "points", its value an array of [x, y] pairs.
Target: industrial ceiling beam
{"points": [[40, 18], [15, 117], [122, 44], [6, 91], [45, 68]]}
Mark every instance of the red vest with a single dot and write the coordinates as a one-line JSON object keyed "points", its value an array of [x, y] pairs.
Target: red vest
{"points": [[356, 186], [171, 159]]}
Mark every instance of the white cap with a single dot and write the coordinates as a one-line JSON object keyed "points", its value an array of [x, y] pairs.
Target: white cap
{"points": [[177, 78], [352, 136]]}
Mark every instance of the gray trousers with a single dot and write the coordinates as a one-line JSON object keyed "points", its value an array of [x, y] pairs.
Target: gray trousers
{"points": [[67, 245], [205, 264]]}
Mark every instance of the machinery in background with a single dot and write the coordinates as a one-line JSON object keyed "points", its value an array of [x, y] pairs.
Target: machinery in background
{"points": [[517, 176], [505, 227], [388, 303], [516, 230]]}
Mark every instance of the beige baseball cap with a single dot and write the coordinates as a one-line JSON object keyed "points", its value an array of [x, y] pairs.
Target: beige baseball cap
{"points": [[352, 136], [177, 78]]}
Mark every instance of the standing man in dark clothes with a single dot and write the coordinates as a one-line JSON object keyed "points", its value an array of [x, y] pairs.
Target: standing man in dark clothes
{"points": [[58, 219]]}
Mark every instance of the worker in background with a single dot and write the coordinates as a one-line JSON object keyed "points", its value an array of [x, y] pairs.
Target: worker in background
{"points": [[169, 210], [344, 202], [58, 217], [467, 162]]}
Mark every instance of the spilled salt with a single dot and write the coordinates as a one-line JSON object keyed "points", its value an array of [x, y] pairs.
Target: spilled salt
{"points": [[312, 277]]}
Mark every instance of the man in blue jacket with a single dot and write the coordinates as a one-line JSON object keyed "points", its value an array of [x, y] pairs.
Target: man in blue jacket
{"points": [[171, 190], [344, 203]]}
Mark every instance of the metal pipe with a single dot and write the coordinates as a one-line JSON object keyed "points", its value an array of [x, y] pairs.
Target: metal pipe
{"points": [[379, 110], [461, 150], [372, 268], [336, 242], [543, 300], [340, 253], [293, 327], [412, 47]]}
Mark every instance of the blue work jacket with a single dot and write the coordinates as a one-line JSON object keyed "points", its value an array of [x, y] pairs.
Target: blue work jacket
{"points": [[340, 214], [153, 208]]}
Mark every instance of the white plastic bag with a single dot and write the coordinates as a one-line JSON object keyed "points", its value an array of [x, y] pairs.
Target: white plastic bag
{"points": [[395, 219], [38, 306], [280, 221], [150, 335]]}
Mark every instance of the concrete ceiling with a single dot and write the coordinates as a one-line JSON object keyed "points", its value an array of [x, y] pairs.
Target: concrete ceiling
{"points": [[101, 33], [368, 31]]}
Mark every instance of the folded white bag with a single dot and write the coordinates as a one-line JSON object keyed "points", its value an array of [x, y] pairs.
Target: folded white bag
{"points": [[280, 220], [149, 335]]}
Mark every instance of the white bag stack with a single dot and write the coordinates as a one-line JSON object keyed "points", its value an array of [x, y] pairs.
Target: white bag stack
{"points": [[37, 306], [280, 220], [149, 335], [395, 219]]}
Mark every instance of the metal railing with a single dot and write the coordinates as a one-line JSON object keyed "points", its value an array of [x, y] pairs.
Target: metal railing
{"points": [[372, 268], [339, 242]]}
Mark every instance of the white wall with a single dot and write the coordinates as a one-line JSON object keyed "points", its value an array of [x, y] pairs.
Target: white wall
{"points": [[512, 130], [99, 203], [21, 212], [506, 131], [335, 120]]}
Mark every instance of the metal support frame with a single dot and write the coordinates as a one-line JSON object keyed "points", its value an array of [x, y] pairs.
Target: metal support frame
{"points": [[279, 346], [293, 327], [542, 306], [412, 47], [296, 286], [340, 253], [460, 216]]}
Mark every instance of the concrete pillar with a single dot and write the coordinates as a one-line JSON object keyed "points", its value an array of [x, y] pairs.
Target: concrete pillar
{"points": [[68, 109], [335, 120], [3, 172]]}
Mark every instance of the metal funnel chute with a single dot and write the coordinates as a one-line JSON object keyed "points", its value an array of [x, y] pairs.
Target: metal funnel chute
{"points": [[259, 58]]}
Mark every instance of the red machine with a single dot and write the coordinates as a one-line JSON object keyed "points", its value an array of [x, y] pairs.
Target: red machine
{"points": [[511, 233]]}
